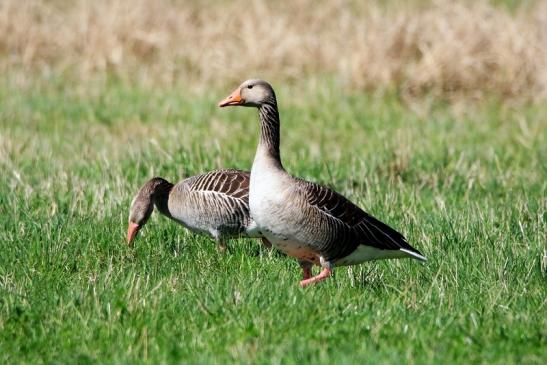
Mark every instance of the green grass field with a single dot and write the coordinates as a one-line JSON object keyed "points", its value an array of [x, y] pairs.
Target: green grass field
{"points": [[465, 183]]}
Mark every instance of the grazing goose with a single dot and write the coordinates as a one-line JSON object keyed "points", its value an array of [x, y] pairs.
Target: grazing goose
{"points": [[214, 203], [308, 221]]}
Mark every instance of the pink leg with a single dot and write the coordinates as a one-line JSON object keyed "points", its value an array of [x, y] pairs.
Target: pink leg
{"points": [[325, 273]]}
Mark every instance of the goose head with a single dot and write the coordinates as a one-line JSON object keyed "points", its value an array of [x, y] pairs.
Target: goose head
{"points": [[155, 191], [252, 93]]}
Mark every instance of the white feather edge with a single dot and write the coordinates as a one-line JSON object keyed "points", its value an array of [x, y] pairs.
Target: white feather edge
{"points": [[368, 253], [414, 255]]}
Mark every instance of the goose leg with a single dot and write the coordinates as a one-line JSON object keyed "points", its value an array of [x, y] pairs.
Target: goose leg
{"points": [[221, 245], [306, 269], [325, 273], [266, 243]]}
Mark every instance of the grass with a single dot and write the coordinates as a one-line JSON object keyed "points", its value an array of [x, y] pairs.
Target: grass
{"points": [[466, 185]]}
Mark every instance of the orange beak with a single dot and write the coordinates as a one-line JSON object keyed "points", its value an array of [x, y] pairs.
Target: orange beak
{"points": [[234, 99], [132, 230]]}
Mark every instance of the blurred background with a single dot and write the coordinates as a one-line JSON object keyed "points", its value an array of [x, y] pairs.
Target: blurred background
{"points": [[417, 48]]}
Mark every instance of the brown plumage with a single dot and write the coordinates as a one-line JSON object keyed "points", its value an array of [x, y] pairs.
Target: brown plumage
{"points": [[215, 203]]}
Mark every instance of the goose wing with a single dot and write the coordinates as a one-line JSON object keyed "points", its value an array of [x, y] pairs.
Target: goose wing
{"points": [[228, 184], [221, 199], [349, 225]]}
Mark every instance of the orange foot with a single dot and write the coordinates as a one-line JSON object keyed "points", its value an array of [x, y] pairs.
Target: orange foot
{"points": [[325, 273]]}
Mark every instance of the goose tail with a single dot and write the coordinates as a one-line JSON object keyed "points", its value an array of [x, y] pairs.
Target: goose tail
{"points": [[414, 254]]}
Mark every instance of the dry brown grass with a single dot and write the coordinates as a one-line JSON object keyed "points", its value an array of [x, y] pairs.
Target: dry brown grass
{"points": [[443, 48]]}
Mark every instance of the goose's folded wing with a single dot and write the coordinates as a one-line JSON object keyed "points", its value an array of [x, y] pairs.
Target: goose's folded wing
{"points": [[223, 195], [232, 184], [366, 229]]}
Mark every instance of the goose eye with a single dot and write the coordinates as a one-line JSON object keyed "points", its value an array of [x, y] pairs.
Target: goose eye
{"points": [[249, 86]]}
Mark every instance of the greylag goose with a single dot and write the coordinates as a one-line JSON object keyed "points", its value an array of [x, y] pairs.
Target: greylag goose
{"points": [[214, 203], [305, 220]]}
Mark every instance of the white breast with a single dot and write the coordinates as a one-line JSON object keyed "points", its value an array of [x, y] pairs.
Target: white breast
{"points": [[267, 201], [266, 189]]}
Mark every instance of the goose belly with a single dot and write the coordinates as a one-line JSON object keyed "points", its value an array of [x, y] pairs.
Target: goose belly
{"points": [[276, 222], [194, 223], [291, 247], [272, 208], [205, 220]]}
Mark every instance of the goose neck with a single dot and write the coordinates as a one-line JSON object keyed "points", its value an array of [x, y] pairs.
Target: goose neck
{"points": [[268, 146], [161, 198]]}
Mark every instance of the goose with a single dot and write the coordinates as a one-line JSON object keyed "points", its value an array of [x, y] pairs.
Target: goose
{"points": [[214, 203], [310, 222]]}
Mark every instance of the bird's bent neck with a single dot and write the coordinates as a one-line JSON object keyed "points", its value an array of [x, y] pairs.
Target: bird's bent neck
{"points": [[161, 198], [268, 146]]}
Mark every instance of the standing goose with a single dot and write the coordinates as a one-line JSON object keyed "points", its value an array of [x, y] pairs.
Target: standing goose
{"points": [[214, 203], [308, 221]]}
